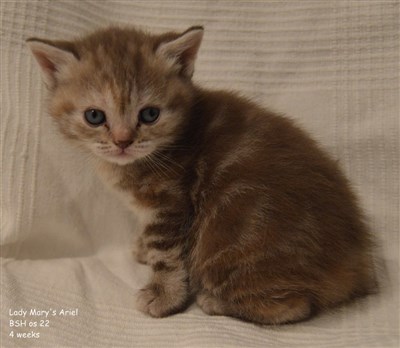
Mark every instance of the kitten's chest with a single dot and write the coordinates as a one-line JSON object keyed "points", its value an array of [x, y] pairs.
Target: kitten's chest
{"points": [[132, 191]]}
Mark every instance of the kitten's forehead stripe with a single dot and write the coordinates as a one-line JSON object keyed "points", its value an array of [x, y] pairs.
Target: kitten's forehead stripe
{"points": [[120, 58], [122, 82], [128, 93]]}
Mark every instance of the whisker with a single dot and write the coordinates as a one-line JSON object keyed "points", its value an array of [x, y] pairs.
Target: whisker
{"points": [[168, 159], [151, 166], [173, 147], [156, 161], [160, 167], [162, 162]]}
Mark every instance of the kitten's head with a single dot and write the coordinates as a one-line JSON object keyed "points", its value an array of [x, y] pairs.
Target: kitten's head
{"points": [[120, 93]]}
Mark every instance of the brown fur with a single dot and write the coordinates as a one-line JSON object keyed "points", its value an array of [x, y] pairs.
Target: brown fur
{"points": [[237, 205]]}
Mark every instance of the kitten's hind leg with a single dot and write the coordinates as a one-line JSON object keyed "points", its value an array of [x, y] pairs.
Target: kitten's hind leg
{"points": [[276, 310], [210, 304]]}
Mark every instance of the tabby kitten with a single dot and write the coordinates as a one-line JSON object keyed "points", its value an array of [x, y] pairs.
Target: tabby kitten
{"points": [[238, 207]]}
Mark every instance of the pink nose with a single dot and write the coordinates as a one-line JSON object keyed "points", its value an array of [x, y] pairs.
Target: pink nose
{"points": [[122, 136], [123, 144]]}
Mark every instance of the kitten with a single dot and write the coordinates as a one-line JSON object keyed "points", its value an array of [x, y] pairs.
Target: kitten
{"points": [[238, 207]]}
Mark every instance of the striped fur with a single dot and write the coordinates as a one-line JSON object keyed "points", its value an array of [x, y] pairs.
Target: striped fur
{"points": [[236, 205]]}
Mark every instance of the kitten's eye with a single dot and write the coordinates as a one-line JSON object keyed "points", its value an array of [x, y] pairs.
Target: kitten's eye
{"points": [[149, 115], [95, 117]]}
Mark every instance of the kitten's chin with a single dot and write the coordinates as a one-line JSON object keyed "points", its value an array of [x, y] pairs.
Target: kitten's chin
{"points": [[120, 159]]}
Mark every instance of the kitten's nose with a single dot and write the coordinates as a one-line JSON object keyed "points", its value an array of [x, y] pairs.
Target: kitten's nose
{"points": [[122, 136], [123, 144]]}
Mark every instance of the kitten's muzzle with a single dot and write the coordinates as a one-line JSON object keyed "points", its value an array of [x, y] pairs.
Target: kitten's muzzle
{"points": [[123, 144]]}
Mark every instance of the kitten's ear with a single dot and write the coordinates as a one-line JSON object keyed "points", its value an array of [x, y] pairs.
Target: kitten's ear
{"points": [[183, 50], [52, 57]]}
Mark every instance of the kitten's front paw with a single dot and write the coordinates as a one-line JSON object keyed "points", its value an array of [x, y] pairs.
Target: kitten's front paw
{"points": [[156, 301]]}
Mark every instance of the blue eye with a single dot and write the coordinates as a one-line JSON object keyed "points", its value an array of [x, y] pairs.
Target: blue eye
{"points": [[149, 115], [95, 117]]}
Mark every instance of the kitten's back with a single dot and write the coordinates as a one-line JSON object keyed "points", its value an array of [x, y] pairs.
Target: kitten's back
{"points": [[282, 208]]}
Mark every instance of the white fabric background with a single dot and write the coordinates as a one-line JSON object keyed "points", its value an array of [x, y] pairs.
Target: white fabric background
{"points": [[332, 65]]}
